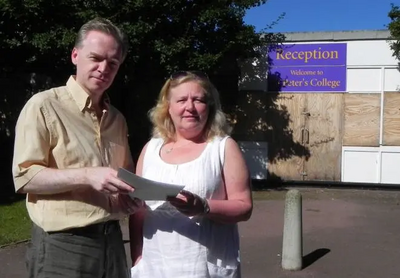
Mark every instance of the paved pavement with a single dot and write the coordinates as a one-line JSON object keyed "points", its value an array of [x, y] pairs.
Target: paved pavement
{"points": [[346, 233]]}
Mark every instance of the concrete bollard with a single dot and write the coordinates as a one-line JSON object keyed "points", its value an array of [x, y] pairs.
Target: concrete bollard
{"points": [[292, 249]]}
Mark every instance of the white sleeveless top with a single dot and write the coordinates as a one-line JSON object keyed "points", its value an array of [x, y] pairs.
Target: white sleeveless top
{"points": [[178, 246]]}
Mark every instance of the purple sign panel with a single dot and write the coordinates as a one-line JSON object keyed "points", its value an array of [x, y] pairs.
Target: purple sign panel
{"points": [[309, 67]]}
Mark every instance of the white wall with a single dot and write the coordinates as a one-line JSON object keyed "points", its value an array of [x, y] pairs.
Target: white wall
{"points": [[367, 63], [256, 157], [363, 80], [360, 164], [392, 79], [371, 164], [369, 53]]}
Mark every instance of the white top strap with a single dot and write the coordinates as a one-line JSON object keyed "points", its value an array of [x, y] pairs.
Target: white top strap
{"points": [[222, 151]]}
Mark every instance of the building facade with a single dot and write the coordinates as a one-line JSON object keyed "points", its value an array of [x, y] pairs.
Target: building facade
{"points": [[324, 106]]}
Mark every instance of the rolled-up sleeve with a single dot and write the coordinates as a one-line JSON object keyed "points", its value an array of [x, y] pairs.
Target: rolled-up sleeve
{"points": [[32, 143]]}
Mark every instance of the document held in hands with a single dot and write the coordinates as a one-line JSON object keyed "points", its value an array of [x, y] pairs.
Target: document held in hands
{"points": [[147, 189]]}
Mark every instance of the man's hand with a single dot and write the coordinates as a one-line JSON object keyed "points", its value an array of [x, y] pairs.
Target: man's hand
{"points": [[105, 180], [128, 205]]}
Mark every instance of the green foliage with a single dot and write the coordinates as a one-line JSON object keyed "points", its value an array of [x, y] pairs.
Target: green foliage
{"points": [[15, 223], [394, 28], [164, 35]]}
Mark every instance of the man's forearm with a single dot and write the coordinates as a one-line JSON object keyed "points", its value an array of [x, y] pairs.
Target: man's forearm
{"points": [[53, 181]]}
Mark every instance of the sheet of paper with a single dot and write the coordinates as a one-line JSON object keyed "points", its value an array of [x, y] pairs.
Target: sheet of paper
{"points": [[147, 189]]}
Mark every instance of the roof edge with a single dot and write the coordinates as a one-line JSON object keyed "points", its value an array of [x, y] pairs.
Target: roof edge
{"points": [[383, 34]]}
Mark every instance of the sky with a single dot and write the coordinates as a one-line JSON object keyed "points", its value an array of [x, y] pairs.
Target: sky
{"points": [[321, 15]]}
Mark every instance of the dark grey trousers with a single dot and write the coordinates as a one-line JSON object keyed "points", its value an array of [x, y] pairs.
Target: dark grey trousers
{"points": [[96, 251]]}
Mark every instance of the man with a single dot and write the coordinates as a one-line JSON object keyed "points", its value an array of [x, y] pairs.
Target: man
{"points": [[69, 142]]}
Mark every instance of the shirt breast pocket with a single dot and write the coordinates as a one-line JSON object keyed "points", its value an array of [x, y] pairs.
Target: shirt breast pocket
{"points": [[116, 155]]}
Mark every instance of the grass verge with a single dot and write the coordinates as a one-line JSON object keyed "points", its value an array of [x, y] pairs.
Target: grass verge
{"points": [[15, 225]]}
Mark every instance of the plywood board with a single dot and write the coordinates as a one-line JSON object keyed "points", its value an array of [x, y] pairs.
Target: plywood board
{"points": [[323, 135], [361, 119], [286, 151], [391, 119]]}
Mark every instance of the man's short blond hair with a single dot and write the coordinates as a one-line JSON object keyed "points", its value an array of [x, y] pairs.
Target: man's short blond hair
{"points": [[107, 27]]}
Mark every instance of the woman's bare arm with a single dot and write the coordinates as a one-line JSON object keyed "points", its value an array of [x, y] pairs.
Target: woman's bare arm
{"points": [[239, 204]]}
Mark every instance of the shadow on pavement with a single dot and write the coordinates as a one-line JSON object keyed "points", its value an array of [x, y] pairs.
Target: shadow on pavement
{"points": [[314, 256]]}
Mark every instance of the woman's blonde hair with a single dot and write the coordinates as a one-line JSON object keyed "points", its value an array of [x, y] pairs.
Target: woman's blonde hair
{"points": [[163, 126]]}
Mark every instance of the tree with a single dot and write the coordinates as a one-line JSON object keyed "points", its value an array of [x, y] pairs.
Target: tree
{"points": [[36, 38], [164, 34], [394, 28]]}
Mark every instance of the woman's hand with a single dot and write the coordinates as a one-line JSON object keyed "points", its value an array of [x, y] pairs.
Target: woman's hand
{"points": [[128, 205], [188, 203]]}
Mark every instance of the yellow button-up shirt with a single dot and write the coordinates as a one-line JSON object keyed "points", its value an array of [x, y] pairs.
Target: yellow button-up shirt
{"points": [[59, 129]]}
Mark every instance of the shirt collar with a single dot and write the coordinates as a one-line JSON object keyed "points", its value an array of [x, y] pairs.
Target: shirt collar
{"points": [[81, 97]]}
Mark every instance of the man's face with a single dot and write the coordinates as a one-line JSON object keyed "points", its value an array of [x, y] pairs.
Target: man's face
{"points": [[97, 62]]}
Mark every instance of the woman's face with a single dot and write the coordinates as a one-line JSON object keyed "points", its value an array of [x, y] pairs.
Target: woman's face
{"points": [[188, 108]]}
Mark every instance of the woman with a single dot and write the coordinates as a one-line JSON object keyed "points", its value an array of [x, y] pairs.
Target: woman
{"points": [[194, 234]]}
